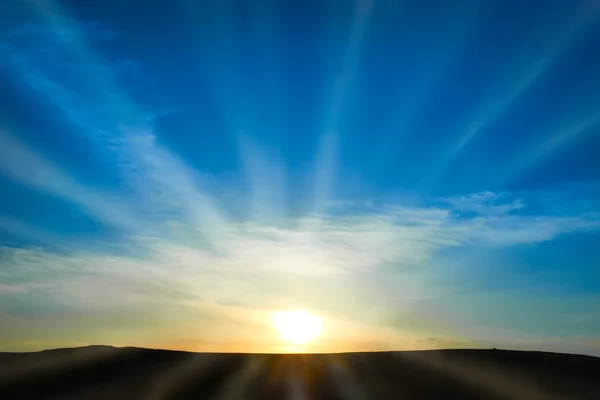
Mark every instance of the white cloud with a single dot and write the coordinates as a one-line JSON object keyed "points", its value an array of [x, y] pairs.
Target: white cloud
{"points": [[260, 266], [24, 165], [4, 289], [485, 203], [250, 257], [106, 115]]}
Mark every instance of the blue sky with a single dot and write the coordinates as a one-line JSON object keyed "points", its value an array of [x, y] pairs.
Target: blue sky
{"points": [[420, 174]]}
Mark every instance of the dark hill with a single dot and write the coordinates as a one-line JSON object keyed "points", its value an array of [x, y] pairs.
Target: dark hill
{"points": [[99, 372]]}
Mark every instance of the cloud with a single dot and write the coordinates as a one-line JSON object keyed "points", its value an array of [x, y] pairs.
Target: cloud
{"points": [[251, 257], [22, 230], [528, 74], [12, 289], [204, 246], [24, 165], [258, 265], [83, 87], [488, 203], [553, 142]]}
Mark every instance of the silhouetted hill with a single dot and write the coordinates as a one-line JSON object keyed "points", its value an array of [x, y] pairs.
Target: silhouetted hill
{"points": [[101, 372]]}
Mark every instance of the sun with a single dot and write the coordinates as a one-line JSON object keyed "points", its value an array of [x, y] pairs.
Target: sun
{"points": [[297, 327]]}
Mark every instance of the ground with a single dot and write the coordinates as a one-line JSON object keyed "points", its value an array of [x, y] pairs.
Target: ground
{"points": [[100, 372]]}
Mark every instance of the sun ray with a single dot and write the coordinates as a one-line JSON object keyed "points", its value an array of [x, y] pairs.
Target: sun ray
{"points": [[347, 382], [123, 130], [555, 143], [240, 384], [411, 104], [501, 102], [326, 164]]}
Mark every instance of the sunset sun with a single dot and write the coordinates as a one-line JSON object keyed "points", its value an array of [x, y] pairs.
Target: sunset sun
{"points": [[297, 327]]}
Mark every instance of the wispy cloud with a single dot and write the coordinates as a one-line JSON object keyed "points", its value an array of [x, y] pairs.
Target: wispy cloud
{"points": [[31, 169], [558, 45], [557, 140], [255, 253], [101, 110], [256, 264]]}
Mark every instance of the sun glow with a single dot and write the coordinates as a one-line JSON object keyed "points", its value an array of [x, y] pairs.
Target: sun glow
{"points": [[297, 327]]}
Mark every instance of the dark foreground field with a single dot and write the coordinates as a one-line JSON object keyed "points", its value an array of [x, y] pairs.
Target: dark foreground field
{"points": [[130, 373]]}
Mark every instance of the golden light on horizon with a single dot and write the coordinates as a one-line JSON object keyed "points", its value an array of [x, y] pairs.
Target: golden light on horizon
{"points": [[297, 327]]}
